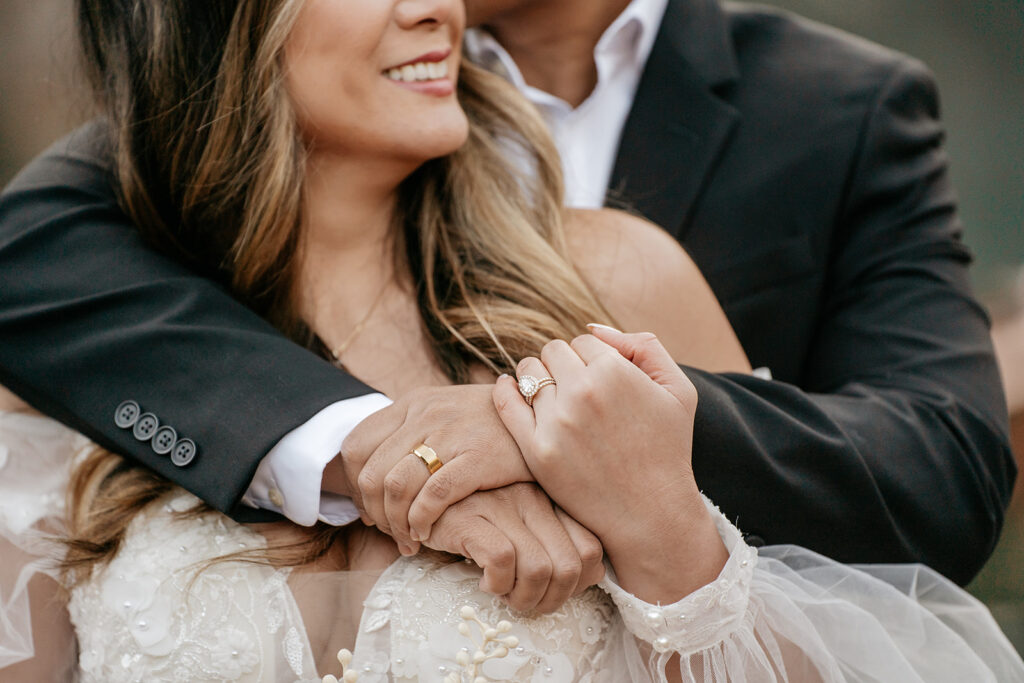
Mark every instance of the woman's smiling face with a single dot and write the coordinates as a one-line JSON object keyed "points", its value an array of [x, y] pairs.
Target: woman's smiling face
{"points": [[375, 79]]}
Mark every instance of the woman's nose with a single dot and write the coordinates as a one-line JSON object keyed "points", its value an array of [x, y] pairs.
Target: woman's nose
{"points": [[412, 13]]}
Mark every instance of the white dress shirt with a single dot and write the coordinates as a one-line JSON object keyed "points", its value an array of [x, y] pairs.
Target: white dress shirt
{"points": [[288, 478], [587, 137]]}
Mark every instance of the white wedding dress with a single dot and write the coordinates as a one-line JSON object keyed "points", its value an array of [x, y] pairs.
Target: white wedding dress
{"points": [[161, 612]]}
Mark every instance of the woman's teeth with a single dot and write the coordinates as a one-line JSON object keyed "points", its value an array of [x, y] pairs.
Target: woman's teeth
{"points": [[421, 71]]}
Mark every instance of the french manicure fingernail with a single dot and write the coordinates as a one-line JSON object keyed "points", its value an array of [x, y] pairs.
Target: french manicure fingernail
{"points": [[603, 327]]}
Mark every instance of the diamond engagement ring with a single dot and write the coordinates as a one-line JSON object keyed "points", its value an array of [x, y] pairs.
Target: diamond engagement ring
{"points": [[529, 386]]}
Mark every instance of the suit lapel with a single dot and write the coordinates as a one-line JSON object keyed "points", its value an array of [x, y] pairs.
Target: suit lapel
{"points": [[677, 127]]}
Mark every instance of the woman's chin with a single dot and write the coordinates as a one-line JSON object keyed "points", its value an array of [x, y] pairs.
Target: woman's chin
{"points": [[441, 141]]}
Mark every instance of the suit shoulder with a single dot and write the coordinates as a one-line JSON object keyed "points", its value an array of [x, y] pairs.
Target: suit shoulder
{"points": [[780, 48], [81, 160]]}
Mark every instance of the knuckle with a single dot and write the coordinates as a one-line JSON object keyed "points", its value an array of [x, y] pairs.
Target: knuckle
{"points": [[503, 401], [394, 487], [577, 339], [438, 486], [432, 413], [367, 481], [566, 572], [500, 553], [586, 390], [537, 570], [564, 420], [546, 449], [591, 553], [354, 447], [553, 346]]}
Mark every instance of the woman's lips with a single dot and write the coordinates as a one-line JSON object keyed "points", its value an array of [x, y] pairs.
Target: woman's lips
{"points": [[427, 74]]}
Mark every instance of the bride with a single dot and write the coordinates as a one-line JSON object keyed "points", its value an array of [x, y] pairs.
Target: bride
{"points": [[378, 200]]}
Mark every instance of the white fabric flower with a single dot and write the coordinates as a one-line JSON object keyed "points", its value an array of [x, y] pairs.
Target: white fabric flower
{"points": [[235, 655]]}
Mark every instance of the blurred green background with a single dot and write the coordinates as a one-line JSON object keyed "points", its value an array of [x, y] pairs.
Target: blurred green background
{"points": [[976, 50]]}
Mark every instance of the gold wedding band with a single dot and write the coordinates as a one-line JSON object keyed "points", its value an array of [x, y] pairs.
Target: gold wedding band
{"points": [[428, 456], [530, 386]]}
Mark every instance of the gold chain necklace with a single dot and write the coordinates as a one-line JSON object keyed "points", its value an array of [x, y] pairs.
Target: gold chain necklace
{"points": [[343, 347]]}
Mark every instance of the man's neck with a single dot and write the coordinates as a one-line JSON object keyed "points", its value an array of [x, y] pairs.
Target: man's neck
{"points": [[552, 42]]}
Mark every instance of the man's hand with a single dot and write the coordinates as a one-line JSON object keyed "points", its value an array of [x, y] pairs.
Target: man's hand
{"points": [[530, 551], [393, 488]]}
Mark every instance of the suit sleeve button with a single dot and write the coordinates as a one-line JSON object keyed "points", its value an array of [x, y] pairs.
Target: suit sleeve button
{"points": [[184, 452], [145, 427], [164, 439], [127, 414]]}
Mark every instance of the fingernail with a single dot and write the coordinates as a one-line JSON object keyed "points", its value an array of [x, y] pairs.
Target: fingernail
{"points": [[504, 374], [603, 327], [405, 550]]}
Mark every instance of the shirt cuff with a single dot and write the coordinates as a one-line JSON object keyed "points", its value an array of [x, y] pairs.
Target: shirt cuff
{"points": [[288, 479]]}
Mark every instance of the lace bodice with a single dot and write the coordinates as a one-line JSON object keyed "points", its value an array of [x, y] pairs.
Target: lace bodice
{"points": [[162, 612]]}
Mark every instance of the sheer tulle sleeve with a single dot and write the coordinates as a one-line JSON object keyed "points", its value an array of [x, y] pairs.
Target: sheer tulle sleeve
{"points": [[36, 638], [784, 613]]}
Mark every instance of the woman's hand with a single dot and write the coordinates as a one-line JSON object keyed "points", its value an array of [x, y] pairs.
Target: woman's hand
{"points": [[610, 443], [530, 551]]}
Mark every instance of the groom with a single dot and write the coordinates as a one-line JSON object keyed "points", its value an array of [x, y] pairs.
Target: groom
{"points": [[802, 169]]}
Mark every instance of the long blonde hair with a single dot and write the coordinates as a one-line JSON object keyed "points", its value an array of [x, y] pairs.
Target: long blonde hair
{"points": [[210, 166]]}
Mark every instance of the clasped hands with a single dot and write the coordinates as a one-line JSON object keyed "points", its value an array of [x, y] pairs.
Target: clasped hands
{"points": [[535, 495]]}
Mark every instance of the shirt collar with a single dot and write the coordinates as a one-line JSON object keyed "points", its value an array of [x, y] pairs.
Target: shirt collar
{"points": [[629, 40]]}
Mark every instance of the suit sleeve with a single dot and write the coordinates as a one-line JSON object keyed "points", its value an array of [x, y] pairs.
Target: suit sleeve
{"points": [[90, 317], [895, 447]]}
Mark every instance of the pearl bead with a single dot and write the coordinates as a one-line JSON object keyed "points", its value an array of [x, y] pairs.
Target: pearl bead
{"points": [[548, 671], [653, 617], [661, 644]]}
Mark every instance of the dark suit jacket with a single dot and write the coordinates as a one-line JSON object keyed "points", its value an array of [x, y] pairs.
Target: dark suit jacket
{"points": [[803, 170]]}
